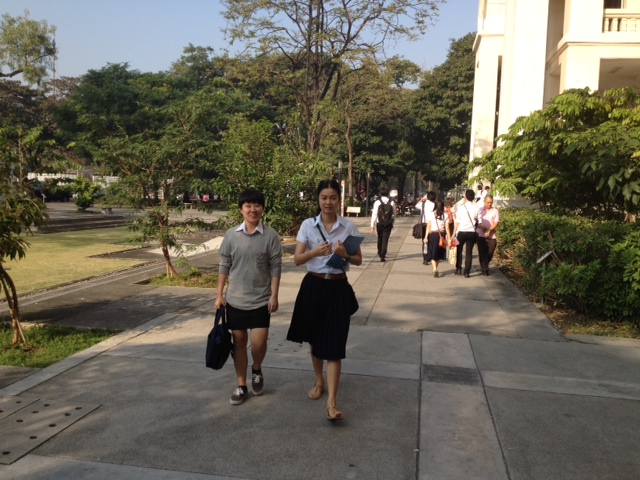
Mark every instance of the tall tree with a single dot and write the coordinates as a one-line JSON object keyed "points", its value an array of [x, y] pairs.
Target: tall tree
{"points": [[371, 113], [316, 38], [443, 115], [27, 47]]}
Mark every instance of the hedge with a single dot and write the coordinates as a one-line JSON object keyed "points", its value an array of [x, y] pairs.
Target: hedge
{"points": [[593, 267]]}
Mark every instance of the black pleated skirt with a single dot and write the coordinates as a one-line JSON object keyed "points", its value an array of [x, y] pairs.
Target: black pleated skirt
{"points": [[322, 315], [435, 252]]}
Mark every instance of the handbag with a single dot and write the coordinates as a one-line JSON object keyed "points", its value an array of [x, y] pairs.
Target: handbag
{"points": [[417, 231], [219, 343], [417, 228], [452, 254], [442, 243], [354, 302]]}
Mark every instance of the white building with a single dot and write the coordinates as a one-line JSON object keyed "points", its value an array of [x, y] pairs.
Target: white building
{"points": [[529, 51]]}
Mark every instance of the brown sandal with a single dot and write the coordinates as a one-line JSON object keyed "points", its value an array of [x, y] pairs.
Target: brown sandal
{"points": [[337, 414], [316, 392]]}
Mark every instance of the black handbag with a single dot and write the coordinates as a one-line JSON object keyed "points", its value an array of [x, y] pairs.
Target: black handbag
{"points": [[417, 230], [219, 343]]}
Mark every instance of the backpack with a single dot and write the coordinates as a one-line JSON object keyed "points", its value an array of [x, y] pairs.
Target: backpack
{"points": [[385, 214]]}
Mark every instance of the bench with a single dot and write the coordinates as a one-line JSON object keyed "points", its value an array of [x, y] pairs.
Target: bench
{"points": [[355, 210]]}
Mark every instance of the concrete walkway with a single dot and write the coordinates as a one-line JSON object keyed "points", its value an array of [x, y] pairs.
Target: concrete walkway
{"points": [[447, 378]]}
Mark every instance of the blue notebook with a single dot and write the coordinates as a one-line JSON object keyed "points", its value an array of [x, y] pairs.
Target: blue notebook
{"points": [[351, 245]]}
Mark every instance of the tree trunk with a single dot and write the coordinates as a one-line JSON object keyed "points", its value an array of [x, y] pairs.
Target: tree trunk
{"points": [[171, 272], [12, 300], [347, 136]]}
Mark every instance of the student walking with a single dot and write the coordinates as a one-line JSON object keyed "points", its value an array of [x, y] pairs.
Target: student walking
{"points": [[465, 232], [325, 301], [251, 261], [438, 236], [426, 205], [382, 220]]}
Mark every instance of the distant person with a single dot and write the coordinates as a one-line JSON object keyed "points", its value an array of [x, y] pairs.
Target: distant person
{"points": [[484, 193], [488, 221], [382, 218], [465, 232], [437, 228], [325, 301], [426, 205], [479, 193], [251, 259], [451, 216]]}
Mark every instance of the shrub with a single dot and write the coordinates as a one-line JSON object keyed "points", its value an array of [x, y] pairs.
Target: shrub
{"points": [[594, 266]]}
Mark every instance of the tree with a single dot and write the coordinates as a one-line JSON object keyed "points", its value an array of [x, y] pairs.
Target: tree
{"points": [[442, 109], [19, 213], [252, 157], [578, 155], [27, 47], [371, 115], [314, 39]]}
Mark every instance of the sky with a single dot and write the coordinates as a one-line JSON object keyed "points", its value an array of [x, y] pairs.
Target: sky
{"points": [[150, 35]]}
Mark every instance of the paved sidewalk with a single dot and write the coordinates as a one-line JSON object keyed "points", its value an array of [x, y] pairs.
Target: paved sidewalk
{"points": [[447, 378]]}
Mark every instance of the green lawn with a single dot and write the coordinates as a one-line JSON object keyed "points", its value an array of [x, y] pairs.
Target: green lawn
{"points": [[59, 258], [47, 345]]}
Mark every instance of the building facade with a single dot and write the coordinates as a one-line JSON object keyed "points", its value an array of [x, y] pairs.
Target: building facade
{"points": [[529, 51]]}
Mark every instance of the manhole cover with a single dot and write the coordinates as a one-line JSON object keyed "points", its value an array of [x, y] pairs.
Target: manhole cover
{"points": [[451, 375]]}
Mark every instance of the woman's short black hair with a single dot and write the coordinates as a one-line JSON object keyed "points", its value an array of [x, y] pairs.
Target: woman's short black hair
{"points": [[251, 196], [332, 184]]}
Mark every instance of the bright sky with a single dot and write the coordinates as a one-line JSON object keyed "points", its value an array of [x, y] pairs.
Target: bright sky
{"points": [[151, 34]]}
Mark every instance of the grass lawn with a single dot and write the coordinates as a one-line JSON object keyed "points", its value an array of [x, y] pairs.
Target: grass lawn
{"points": [[59, 258], [48, 345]]}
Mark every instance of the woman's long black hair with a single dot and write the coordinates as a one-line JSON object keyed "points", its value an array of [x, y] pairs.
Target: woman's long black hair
{"points": [[439, 210]]}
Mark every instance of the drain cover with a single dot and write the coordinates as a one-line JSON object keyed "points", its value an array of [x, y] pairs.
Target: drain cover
{"points": [[10, 405], [32, 422], [451, 375]]}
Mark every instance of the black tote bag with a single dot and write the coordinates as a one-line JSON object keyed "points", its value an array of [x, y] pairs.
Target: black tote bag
{"points": [[219, 343]]}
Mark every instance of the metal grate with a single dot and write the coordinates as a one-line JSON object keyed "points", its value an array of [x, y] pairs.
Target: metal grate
{"points": [[26, 423], [451, 375]]}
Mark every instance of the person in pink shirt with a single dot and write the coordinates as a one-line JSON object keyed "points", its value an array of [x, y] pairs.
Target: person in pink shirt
{"points": [[489, 219]]}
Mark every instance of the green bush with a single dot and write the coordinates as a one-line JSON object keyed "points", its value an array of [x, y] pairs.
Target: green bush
{"points": [[84, 191], [594, 266]]}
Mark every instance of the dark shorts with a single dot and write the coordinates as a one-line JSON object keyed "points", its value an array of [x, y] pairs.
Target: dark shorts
{"points": [[247, 319]]}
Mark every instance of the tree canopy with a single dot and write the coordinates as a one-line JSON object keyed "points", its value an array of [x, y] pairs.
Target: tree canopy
{"points": [[442, 110], [27, 47], [580, 154], [315, 39]]}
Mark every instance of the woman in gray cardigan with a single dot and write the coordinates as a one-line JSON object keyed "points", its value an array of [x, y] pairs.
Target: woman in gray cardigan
{"points": [[251, 261]]}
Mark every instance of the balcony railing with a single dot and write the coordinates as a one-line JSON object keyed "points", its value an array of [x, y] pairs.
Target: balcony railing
{"points": [[618, 20]]}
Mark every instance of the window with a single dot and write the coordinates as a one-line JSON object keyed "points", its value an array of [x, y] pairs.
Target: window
{"points": [[612, 3]]}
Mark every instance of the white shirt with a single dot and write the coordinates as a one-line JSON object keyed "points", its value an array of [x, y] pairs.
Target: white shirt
{"points": [[466, 216], [376, 205], [425, 207], [437, 225], [310, 236]]}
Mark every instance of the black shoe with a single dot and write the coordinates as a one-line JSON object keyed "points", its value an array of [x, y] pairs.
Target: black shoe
{"points": [[458, 271], [382, 259], [239, 395], [485, 273], [466, 275], [257, 382]]}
